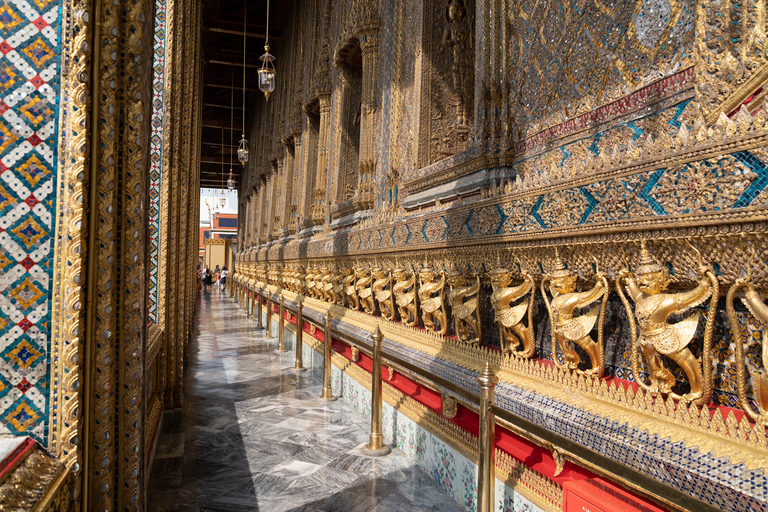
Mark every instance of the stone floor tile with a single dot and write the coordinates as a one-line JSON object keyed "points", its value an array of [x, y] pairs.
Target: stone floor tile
{"points": [[253, 435]]}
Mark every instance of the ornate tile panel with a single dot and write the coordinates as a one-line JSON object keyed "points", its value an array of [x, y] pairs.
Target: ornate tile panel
{"points": [[156, 156], [29, 42], [726, 485]]}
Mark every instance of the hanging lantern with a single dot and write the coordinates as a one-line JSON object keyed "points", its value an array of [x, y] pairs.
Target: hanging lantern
{"points": [[242, 153], [231, 180], [242, 150], [222, 201], [267, 73]]}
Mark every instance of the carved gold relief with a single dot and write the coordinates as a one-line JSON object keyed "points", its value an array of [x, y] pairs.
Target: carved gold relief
{"points": [[756, 366], [656, 337], [364, 289], [349, 284], [464, 298], [515, 336], [404, 291], [382, 291], [569, 327], [449, 406], [431, 299]]}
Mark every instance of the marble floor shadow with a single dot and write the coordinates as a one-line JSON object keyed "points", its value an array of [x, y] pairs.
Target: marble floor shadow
{"points": [[253, 435]]}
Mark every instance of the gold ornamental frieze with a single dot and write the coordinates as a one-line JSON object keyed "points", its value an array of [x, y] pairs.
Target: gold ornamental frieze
{"points": [[703, 176], [673, 360]]}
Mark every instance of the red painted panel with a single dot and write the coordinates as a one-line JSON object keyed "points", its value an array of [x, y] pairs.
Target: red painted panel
{"points": [[600, 495]]}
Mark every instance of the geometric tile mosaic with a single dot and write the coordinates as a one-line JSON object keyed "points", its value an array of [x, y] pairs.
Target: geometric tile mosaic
{"points": [[729, 486], [156, 155], [29, 84]]}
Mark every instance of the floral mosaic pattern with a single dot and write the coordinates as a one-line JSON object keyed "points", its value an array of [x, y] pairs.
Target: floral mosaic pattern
{"points": [[469, 486], [444, 466], [29, 42], [453, 472], [508, 500], [156, 156]]}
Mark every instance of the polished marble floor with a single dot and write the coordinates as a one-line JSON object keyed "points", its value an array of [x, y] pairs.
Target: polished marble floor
{"points": [[253, 436]]}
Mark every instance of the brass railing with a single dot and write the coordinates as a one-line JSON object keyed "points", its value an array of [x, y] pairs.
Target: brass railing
{"points": [[490, 416]]}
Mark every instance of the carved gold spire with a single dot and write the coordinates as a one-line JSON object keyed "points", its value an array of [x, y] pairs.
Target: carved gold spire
{"points": [[499, 268], [646, 264], [558, 267]]}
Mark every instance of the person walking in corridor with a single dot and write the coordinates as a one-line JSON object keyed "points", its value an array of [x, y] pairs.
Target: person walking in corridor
{"points": [[223, 279]]}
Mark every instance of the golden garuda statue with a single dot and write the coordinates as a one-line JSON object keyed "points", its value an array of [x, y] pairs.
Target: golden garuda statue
{"points": [[309, 281], [327, 284], [404, 291], [515, 337], [300, 280], [337, 286], [382, 291], [759, 310], [657, 337], [431, 291], [463, 298], [363, 284], [350, 290], [318, 289], [568, 328]]}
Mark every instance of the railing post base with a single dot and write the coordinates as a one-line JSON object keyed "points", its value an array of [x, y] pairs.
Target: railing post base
{"points": [[327, 394], [376, 446], [377, 452], [268, 334], [281, 331], [299, 365], [258, 319], [486, 453]]}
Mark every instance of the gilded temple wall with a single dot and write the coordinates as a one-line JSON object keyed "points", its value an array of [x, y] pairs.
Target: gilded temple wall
{"points": [[28, 162], [92, 237], [525, 142]]}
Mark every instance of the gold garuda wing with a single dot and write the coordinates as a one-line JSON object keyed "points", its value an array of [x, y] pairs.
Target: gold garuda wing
{"points": [[684, 331], [466, 309], [513, 315], [580, 326]]}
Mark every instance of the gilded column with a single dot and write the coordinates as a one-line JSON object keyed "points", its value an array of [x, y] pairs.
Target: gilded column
{"points": [[269, 206], [320, 207], [294, 183], [185, 161], [287, 183], [130, 356], [174, 219], [278, 197], [306, 191], [256, 214], [263, 206], [68, 345], [248, 226], [369, 46], [103, 279], [482, 69]]}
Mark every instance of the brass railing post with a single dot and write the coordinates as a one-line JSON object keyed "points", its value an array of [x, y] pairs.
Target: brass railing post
{"points": [[486, 471], [327, 393], [281, 332], [376, 446], [299, 366], [269, 315], [258, 300]]}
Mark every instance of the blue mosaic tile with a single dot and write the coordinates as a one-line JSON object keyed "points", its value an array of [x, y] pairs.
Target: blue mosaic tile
{"points": [[29, 42]]}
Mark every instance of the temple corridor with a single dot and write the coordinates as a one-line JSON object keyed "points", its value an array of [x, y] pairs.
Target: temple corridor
{"points": [[252, 434], [523, 242]]}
